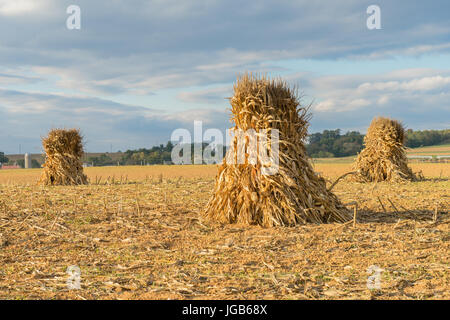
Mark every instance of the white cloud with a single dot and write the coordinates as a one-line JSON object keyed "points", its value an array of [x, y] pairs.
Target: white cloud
{"points": [[427, 83], [155, 45], [327, 105], [350, 101], [212, 96], [357, 104], [384, 99], [419, 84], [148, 47], [102, 121], [8, 79], [207, 116], [19, 7]]}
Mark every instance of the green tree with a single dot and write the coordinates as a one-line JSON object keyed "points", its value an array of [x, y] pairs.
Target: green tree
{"points": [[331, 143], [35, 163], [416, 139], [21, 163], [3, 159], [154, 157], [138, 157], [102, 160]]}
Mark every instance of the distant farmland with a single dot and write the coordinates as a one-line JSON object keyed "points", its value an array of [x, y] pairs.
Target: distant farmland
{"points": [[115, 156], [438, 150]]}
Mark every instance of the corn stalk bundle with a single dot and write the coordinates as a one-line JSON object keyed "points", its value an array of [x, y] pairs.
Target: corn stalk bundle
{"points": [[293, 195], [63, 165], [384, 156]]}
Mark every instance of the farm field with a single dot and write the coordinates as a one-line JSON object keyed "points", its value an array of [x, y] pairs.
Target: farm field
{"points": [[138, 233], [439, 150]]}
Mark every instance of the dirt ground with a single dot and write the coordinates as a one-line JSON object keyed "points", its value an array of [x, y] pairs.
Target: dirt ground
{"points": [[144, 238]]}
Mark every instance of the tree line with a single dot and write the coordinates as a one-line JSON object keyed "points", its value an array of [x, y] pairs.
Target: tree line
{"points": [[3, 159], [20, 162], [331, 143], [415, 139], [156, 155], [325, 144]]}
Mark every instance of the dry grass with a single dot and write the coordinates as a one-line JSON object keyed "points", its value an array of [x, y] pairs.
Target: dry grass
{"points": [[243, 193], [123, 173], [142, 173], [144, 238]]}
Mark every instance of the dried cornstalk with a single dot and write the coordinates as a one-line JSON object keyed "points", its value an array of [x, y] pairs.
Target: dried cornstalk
{"points": [[295, 194], [63, 152], [384, 156]]}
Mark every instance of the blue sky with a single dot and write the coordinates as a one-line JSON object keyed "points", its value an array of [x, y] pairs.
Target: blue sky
{"points": [[137, 70]]}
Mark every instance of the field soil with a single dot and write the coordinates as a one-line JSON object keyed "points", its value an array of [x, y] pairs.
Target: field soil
{"points": [[138, 233]]}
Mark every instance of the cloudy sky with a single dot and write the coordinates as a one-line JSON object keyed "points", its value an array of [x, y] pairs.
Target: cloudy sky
{"points": [[137, 70]]}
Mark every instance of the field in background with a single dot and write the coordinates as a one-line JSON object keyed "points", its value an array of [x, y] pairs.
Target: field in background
{"points": [[431, 150], [116, 174], [122, 174], [138, 233], [438, 150]]}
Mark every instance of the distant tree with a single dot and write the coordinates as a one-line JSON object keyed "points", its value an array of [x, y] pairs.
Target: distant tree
{"points": [[138, 157], [102, 160], [416, 139], [21, 163], [154, 157], [330, 143], [3, 159], [169, 146], [35, 163]]}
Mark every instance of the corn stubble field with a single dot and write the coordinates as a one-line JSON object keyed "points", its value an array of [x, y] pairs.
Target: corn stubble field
{"points": [[138, 233]]}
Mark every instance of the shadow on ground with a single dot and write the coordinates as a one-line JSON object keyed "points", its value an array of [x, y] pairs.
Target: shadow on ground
{"points": [[369, 216]]}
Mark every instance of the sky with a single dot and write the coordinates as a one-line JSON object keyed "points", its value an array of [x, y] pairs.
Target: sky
{"points": [[137, 70]]}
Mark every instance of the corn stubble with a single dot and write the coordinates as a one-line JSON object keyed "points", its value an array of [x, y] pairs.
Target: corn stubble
{"points": [[63, 165], [294, 195], [384, 156]]}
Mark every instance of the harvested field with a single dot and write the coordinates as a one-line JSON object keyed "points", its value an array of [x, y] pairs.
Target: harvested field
{"points": [[130, 173], [439, 150], [143, 238]]}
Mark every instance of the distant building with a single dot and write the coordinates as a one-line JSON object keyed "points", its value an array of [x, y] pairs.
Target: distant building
{"points": [[5, 167], [27, 161]]}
